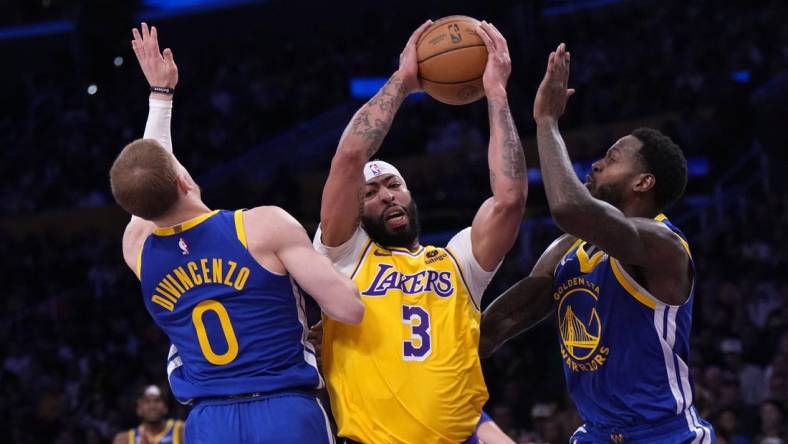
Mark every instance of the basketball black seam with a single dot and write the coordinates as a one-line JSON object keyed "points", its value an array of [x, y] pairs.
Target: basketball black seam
{"points": [[452, 83], [450, 50]]}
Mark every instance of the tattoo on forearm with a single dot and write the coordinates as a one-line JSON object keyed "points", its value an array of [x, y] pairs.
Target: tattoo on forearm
{"points": [[373, 120], [513, 158]]}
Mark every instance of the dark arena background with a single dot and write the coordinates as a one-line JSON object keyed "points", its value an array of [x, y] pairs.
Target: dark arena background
{"points": [[265, 91]]}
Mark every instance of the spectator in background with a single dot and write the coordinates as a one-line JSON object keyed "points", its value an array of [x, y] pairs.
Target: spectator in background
{"points": [[750, 377], [773, 429], [727, 427]]}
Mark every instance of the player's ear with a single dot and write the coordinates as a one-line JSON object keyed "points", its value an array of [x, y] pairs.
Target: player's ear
{"points": [[644, 182], [185, 184]]}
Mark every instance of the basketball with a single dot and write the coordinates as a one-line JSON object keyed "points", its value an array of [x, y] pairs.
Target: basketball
{"points": [[451, 59]]}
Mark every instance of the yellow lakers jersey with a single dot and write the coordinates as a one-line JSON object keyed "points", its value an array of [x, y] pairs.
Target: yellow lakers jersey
{"points": [[410, 371]]}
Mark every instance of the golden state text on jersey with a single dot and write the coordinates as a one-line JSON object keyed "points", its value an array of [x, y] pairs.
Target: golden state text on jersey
{"points": [[624, 352], [410, 371]]}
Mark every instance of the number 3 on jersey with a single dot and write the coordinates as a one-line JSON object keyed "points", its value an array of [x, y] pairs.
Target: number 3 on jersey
{"points": [[227, 328], [419, 346]]}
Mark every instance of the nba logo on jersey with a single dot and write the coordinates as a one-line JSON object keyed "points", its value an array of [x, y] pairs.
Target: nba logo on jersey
{"points": [[183, 246]]}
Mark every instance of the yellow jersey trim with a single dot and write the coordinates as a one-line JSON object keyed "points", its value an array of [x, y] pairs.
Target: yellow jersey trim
{"points": [[131, 436], [176, 434], [239, 227], [661, 218], [360, 260], [161, 434], [588, 264], [405, 250], [191, 223], [138, 265], [631, 287]]}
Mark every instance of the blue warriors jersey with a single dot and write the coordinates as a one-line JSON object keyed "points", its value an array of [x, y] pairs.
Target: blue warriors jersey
{"points": [[173, 430], [624, 352], [235, 327]]}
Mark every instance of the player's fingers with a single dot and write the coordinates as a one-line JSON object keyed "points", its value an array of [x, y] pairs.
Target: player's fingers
{"points": [[482, 33], [136, 33], [417, 33], [500, 40], [551, 63], [570, 92], [168, 56], [154, 35], [491, 34], [136, 47]]}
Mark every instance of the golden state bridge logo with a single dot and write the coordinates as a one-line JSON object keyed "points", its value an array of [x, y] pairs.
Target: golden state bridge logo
{"points": [[579, 325]]}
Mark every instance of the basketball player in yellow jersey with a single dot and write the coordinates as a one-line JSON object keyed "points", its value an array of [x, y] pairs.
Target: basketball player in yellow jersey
{"points": [[155, 428], [410, 372]]}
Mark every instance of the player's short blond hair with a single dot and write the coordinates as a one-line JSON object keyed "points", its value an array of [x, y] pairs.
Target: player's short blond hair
{"points": [[144, 179]]}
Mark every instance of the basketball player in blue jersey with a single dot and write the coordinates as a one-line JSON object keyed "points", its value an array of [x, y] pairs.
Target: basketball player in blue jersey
{"points": [[223, 285], [621, 283], [155, 427]]}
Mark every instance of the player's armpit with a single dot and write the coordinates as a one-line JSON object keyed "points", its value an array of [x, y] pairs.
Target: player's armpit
{"points": [[525, 304]]}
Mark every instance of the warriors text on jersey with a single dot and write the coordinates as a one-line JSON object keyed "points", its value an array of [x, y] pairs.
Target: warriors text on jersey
{"points": [[624, 352], [410, 371], [235, 327]]}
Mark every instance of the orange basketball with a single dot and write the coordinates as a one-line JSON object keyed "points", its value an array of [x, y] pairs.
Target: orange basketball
{"points": [[452, 58]]}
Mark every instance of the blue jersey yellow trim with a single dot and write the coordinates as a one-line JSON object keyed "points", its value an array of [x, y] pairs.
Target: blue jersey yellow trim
{"points": [[180, 228], [588, 264], [239, 227], [630, 286], [138, 265]]}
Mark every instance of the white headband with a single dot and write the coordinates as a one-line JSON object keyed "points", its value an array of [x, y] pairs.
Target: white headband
{"points": [[377, 168], [152, 390]]}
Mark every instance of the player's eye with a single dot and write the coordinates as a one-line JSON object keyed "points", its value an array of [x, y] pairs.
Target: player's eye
{"points": [[368, 194], [394, 185]]}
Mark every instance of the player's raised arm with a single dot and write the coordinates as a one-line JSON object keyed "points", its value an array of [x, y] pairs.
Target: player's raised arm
{"points": [[281, 234], [524, 304], [636, 241], [497, 222], [161, 72], [339, 212]]}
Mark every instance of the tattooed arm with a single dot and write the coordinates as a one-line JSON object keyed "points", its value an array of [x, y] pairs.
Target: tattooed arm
{"points": [[497, 222], [524, 304], [339, 212]]}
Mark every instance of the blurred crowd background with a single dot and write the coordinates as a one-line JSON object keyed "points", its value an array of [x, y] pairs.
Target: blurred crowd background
{"points": [[265, 91]]}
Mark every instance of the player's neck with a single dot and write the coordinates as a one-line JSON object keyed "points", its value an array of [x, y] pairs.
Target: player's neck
{"points": [[154, 428], [638, 208], [183, 212]]}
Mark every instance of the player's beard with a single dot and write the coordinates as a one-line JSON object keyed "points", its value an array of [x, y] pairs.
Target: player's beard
{"points": [[403, 236], [610, 193]]}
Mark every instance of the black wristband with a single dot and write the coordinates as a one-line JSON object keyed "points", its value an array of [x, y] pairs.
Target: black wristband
{"points": [[162, 90]]}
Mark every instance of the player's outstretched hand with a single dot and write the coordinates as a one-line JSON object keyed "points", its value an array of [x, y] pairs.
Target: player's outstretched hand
{"points": [[553, 92], [159, 68], [316, 338], [409, 62], [499, 64]]}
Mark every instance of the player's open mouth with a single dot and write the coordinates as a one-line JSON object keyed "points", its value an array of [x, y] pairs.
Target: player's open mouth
{"points": [[395, 217]]}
